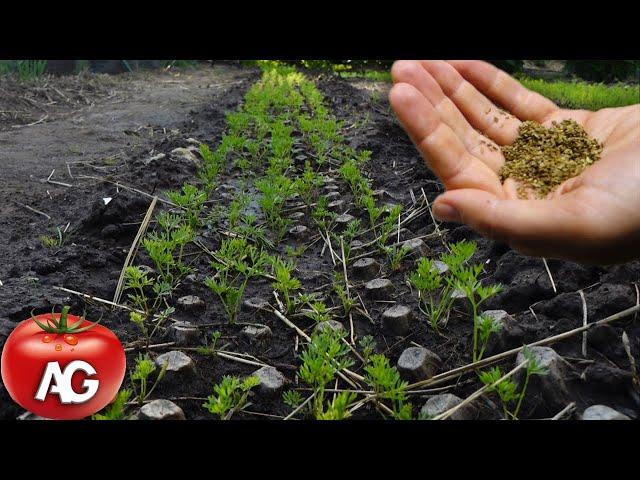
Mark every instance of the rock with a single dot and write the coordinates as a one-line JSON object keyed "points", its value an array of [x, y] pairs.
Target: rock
{"points": [[332, 324], [509, 336], [418, 363], [397, 319], [179, 365], [192, 278], [146, 270], [332, 195], [255, 305], [607, 377], [356, 244], [405, 234], [110, 231], [184, 333], [257, 333], [336, 205], [379, 288], [271, 380], [297, 215], [154, 158], [343, 220], [161, 410], [299, 231], [546, 394], [602, 412], [441, 403], [30, 416], [332, 188], [365, 269], [441, 266], [416, 247], [185, 154], [191, 303]]}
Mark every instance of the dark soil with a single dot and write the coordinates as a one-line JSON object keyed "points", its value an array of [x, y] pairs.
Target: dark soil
{"points": [[152, 113]]}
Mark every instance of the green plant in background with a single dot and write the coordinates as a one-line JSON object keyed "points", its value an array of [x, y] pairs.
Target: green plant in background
{"points": [[285, 283], [230, 396], [395, 255], [53, 242], [340, 288], [116, 409], [236, 262], [386, 383], [292, 398], [140, 376], [318, 312], [368, 346], [191, 199], [338, 408], [322, 358], [507, 389], [30, 69]]}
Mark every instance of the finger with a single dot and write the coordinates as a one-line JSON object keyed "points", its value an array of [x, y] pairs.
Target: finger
{"points": [[478, 109], [505, 90], [412, 72], [535, 227], [442, 149]]}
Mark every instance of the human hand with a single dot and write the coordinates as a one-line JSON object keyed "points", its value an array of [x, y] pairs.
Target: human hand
{"points": [[592, 218]]}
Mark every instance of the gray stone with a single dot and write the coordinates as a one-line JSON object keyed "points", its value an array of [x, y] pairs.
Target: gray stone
{"points": [[332, 195], [179, 365], [602, 412], [186, 154], [336, 205], [418, 363], [191, 303], [356, 244], [343, 220], [365, 269], [441, 403], [271, 380], [397, 319], [379, 288], [154, 158], [546, 394], [296, 215], [299, 231], [332, 188], [328, 324], [161, 410], [441, 266], [255, 304], [30, 416], [417, 247], [510, 334], [257, 333], [184, 333], [147, 270]]}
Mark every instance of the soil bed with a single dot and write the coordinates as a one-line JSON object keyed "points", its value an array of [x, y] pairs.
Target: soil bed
{"points": [[144, 157]]}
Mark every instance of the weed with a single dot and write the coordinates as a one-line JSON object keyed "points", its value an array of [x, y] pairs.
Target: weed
{"points": [[368, 346], [116, 409], [236, 263], [191, 200], [507, 389], [292, 398], [395, 255], [142, 371], [285, 282], [323, 357], [230, 396], [52, 242], [386, 383]]}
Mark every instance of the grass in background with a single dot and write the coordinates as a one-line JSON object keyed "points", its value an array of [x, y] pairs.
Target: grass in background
{"points": [[591, 96], [26, 69]]}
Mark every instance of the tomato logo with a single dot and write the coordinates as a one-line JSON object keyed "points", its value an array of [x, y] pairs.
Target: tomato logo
{"points": [[61, 366]]}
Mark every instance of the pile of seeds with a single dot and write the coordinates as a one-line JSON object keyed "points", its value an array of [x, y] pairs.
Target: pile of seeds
{"points": [[542, 158]]}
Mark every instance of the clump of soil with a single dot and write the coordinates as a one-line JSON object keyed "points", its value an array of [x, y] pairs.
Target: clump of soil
{"points": [[542, 158]]}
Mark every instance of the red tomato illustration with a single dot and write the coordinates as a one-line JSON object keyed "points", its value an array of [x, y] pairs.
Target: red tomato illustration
{"points": [[61, 366]]}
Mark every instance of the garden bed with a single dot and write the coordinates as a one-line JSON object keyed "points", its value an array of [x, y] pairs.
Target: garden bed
{"points": [[358, 159]]}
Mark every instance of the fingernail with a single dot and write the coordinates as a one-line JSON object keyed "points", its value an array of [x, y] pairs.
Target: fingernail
{"points": [[446, 213]]}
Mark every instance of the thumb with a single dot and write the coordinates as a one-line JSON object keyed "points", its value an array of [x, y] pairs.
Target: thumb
{"points": [[535, 227]]}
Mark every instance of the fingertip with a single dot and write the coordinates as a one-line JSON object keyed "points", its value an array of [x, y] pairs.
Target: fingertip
{"points": [[403, 70]]}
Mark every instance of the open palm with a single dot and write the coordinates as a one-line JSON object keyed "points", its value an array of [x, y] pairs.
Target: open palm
{"points": [[450, 111]]}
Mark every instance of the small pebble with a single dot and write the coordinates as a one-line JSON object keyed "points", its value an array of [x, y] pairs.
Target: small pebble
{"points": [[379, 288], [397, 319], [602, 412], [446, 401], [161, 410], [328, 324], [365, 268], [418, 363], [191, 303], [257, 333], [271, 380]]}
